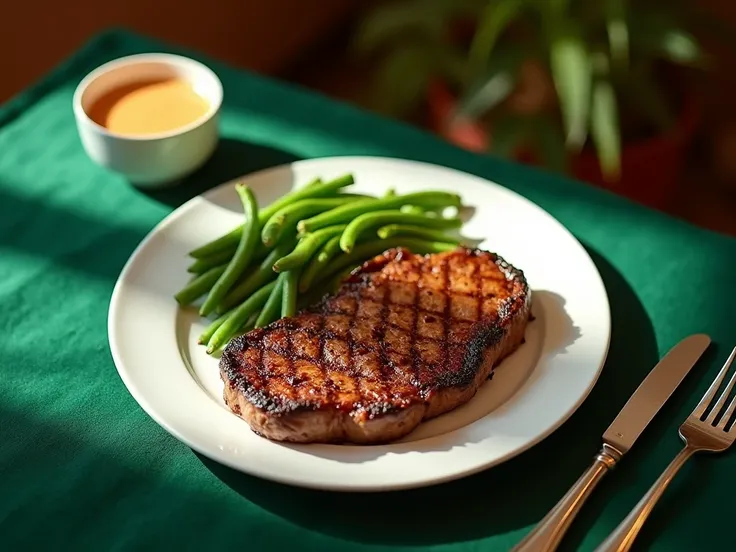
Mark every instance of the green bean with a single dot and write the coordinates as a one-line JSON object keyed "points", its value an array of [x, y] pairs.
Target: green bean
{"points": [[259, 254], [330, 258], [307, 299], [288, 216], [210, 330], [316, 292], [243, 254], [307, 247], [271, 309], [314, 295], [320, 288], [199, 286], [247, 326], [380, 218], [227, 242], [202, 265], [368, 250], [346, 213], [313, 189], [239, 317], [318, 262], [290, 293], [339, 278], [354, 195], [391, 230], [328, 251], [414, 209], [232, 238], [257, 278]]}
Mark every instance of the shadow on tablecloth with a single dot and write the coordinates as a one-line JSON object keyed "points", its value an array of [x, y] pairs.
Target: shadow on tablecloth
{"points": [[505, 500], [232, 159], [84, 239]]}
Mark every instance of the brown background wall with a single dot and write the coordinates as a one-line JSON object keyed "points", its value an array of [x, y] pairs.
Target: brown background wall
{"points": [[264, 35]]}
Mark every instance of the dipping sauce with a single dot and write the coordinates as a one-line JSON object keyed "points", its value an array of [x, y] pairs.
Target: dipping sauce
{"points": [[148, 107]]}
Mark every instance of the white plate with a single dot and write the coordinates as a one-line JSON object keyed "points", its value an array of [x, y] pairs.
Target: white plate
{"points": [[532, 393]]}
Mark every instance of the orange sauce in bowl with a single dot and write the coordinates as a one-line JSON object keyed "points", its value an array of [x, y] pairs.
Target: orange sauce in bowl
{"points": [[148, 107]]}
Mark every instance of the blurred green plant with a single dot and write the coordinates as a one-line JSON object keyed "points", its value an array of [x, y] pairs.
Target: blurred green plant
{"points": [[550, 75]]}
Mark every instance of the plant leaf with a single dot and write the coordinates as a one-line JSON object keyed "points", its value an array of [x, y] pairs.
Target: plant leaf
{"points": [[507, 133], [641, 92], [571, 72], [550, 143], [494, 88], [394, 21], [541, 132], [681, 47], [550, 8], [604, 124], [493, 21], [402, 79], [662, 37], [559, 6], [451, 62], [488, 95], [618, 32]]}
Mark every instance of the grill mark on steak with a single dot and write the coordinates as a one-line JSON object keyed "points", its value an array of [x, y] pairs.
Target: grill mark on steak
{"points": [[406, 337], [446, 312], [413, 346], [387, 367]]}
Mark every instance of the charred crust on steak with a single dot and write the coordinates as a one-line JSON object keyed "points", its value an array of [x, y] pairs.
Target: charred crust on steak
{"points": [[323, 325]]}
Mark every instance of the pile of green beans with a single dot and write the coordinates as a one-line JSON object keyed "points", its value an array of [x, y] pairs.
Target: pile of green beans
{"points": [[288, 254]]}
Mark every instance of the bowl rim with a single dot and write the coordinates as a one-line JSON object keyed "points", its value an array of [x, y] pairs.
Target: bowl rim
{"points": [[135, 59]]}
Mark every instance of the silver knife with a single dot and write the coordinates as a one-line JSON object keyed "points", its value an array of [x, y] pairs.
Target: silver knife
{"points": [[634, 417]]}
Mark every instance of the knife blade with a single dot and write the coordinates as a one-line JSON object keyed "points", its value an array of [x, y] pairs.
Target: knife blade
{"points": [[653, 392], [620, 436]]}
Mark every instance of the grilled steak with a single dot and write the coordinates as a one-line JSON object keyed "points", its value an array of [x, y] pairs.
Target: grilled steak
{"points": [[405, 338]]}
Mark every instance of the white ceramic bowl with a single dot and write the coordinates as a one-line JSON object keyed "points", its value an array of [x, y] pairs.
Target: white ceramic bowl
{"points": [[153, 160]]}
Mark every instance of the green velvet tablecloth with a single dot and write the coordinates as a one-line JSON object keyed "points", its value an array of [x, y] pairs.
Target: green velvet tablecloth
{"points": [[84, 468]]}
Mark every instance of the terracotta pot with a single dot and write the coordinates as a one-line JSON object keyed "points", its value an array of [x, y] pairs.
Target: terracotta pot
{"points": [[649, 168]]}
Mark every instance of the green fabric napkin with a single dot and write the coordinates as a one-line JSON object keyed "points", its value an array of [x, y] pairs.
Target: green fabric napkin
{"points": [[84, 468]]}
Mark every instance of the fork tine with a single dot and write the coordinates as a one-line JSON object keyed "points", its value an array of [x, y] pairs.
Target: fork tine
{"points": [[708, 397], [727, 416], [724, 396]]}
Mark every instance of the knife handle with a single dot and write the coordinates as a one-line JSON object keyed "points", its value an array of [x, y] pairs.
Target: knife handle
{"points": [[549, 532], [622, 538]]}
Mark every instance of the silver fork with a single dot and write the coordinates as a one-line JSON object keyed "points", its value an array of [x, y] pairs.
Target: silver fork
{"points": [[699, 433]]}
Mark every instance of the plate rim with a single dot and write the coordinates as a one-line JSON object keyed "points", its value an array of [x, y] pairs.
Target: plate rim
{"points": [[285, 478]]}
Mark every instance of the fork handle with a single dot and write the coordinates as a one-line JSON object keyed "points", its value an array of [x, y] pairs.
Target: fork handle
{"points": [[622, 538], [549, 532]]}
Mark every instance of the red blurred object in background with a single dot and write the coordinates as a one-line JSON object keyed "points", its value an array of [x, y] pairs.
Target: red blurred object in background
{"points": [[650, 168]]}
